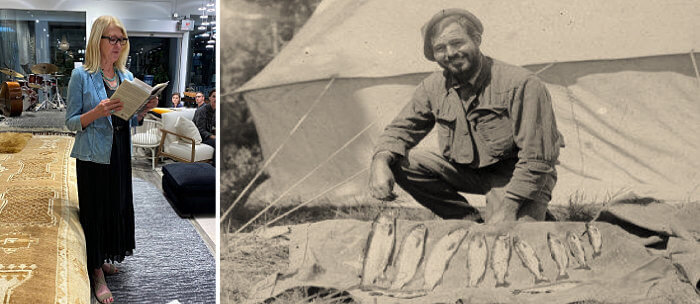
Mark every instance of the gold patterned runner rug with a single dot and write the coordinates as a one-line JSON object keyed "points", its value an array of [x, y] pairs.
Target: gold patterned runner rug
{"points": [[42, 246]]}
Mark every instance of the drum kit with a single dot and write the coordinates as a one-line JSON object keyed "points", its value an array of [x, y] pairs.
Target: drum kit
{"points": [[40, 89]]}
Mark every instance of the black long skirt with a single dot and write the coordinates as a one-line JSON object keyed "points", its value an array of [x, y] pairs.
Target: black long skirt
{"points": [[106, 202]]}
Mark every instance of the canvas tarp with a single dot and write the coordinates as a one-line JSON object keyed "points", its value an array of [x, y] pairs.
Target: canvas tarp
{"points": [[623, 85], [330, 254]]}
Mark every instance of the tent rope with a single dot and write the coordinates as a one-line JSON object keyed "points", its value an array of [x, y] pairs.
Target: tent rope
{"points": [[545, 68], [695, 65], [358, 173], [272, 156], [331, 156]]}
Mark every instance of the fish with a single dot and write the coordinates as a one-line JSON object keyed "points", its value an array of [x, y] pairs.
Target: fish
{"points": [[380, 246], [440, 257], [477, 258], [500, 257], [549, 288], [559, 255], [577, 250], [530, 259], [409, 256], [594, 238]]}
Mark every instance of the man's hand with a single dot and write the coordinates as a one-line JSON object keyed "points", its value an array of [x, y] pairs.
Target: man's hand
{"points": [[381, 179], [505, 210]]}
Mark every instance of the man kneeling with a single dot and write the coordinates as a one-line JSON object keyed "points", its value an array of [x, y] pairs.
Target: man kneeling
{"points": [[496, 128]]}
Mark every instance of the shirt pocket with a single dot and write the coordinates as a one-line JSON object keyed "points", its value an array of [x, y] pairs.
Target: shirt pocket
{"points": [[445, 121], [494, 128]]}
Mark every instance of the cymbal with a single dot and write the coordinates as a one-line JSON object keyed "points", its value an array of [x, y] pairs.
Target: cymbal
{"points": [[44, 68], [11, 73], [57, 75], [34, 85]]}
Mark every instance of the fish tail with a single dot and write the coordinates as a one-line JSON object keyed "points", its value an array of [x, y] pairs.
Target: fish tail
{"points": [[564, 276], [502, 284]]}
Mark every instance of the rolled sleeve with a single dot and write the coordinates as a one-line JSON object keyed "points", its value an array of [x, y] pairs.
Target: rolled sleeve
{"points": [[410, 126], [537, 138], [74, 108]]}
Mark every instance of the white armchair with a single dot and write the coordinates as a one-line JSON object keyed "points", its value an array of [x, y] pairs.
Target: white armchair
{"points": [[181, 147], [147, 136]]}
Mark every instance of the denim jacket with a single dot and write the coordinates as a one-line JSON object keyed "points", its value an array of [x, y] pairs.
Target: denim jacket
{"points": [[85, 91], [505, 113]]}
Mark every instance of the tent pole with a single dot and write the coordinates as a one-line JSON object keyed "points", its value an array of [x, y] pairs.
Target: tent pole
{"points": [[308, 174], [272, 156], [695, 65]]}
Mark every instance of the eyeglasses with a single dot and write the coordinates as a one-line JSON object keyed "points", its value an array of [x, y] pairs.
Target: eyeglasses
{"points": [[113, 40]]}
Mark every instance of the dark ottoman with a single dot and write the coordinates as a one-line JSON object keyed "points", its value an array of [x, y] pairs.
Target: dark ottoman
{"points": [[190, 187]]}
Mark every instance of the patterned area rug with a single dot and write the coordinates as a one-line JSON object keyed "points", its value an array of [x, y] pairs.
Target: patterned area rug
{"points": [[42, 247], [44, 121], [170, 262]]}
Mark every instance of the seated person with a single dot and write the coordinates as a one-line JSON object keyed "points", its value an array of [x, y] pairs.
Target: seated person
{"points": [[205, 120], [212, 96], [199, 98], [176, 100]]}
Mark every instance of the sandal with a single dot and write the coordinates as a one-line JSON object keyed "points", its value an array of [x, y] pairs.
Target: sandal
{"points": [[99, 283], [109, 269]]}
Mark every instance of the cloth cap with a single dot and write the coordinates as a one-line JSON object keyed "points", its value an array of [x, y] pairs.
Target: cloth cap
{"points": [[427, 28]]}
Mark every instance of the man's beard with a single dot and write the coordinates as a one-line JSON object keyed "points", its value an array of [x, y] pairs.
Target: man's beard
{"points": [[463, 66]]}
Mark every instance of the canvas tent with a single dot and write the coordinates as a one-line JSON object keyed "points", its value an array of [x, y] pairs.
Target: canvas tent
{"points": [[622, 76]]}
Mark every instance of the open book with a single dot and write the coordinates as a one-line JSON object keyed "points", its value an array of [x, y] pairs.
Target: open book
{"points": [[135, 95]]}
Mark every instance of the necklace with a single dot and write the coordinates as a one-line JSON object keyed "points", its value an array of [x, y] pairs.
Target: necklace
{"points": [[107, 78]]}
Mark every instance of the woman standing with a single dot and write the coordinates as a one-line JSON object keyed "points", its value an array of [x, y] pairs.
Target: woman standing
{"points": [[102, 150]]}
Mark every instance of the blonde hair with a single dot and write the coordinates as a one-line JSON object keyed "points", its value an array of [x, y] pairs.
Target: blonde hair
{"points": [[92, 52]]}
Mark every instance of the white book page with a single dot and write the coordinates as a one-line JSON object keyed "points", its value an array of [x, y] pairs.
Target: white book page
{"points": [[133, 94]]}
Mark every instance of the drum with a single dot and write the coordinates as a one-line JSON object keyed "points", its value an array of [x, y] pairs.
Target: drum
{"points": [[36, 79], [22, 84], [53, 82]]}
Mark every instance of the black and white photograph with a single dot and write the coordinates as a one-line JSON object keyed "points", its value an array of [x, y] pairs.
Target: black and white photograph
{"points": [[386, 151]]}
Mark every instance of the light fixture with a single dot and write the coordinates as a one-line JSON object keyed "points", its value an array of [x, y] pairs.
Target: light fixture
{"points": [[209, 46], [205, 23], [202, 28], [63, 45], [211, 41], [211, 10], [210, 4], [202, 8], [206, 34], [203, 17]]}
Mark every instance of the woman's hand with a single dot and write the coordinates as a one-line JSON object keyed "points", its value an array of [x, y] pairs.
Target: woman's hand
{"points": [[149, 106], [108, 107]]}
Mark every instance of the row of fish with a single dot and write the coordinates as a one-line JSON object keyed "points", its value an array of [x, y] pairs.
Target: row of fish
{"points": [[382, 240]]}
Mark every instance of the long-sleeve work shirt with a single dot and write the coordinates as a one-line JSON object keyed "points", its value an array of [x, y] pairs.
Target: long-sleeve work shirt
{"points": [[502, 113]]}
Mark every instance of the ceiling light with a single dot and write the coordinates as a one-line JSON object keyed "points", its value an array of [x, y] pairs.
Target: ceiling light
{"points": [[202, 28], [203, 17], [211, 41], [205, 23], [209, 46], [206, 34], [202, 8], [211, 10], [210, 4]]}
